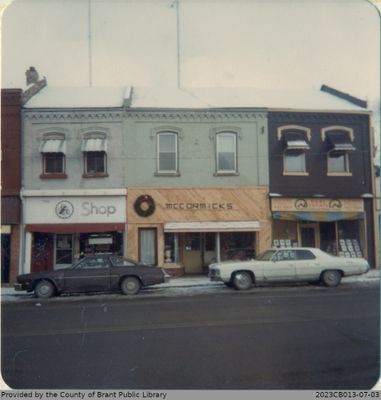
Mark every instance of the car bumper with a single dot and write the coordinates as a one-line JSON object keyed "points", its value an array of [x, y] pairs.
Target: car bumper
{"points": [[18, 287]]}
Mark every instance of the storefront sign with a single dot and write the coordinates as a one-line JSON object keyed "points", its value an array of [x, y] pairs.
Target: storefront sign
{"points": [[91, 209], [302, 204], [199, 206]]}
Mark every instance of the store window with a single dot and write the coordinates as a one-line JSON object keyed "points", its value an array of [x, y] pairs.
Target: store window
{"points": [[349, 239], [101, 243], [167, 152], [171, 247], [226, 143], [64, 250], [237, 245]]}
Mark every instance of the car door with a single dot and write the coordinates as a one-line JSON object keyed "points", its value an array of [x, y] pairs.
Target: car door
{"points": [[308, 267], [92, 274], [281, 267]]}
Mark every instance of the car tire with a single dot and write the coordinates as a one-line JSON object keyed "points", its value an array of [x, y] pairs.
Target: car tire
{"points": [[242, 281], [331, 278], [44, 289], [130, 285]]}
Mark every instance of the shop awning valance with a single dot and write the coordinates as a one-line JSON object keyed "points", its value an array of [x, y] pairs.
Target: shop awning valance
{"points": [[317, 216], [297, 145], [219, 226], [94, 144], [53, 146], [75, 228]]}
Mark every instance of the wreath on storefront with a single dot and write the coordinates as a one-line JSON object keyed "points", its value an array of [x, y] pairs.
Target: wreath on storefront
{"points": [[144, 205]]}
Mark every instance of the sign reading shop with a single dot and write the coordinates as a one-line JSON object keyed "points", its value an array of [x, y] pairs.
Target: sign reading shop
{"points": [[91, 209]]}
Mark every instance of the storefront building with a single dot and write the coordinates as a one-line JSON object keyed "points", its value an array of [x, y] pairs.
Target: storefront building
{"points": [[322, 182], [186, 229], [10, 183], [63, 226]]}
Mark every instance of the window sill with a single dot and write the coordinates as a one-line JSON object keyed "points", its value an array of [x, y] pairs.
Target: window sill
{"points": [[53, 176], [96, 175], [339, 173], [295, 173], [226, 174], [167, 174]]}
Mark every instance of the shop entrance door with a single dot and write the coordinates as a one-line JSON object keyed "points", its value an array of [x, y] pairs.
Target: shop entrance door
{"points": [[309, 235], [147, 246], [192, 253]]}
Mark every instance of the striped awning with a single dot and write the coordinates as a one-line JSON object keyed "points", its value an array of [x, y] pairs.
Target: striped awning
{"points": [[317, 216], [53, 146], [217, 226], [297, 145], [94, 144]]}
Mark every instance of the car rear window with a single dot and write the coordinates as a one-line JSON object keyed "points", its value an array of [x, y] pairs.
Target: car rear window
{"points": [[305, 255]]}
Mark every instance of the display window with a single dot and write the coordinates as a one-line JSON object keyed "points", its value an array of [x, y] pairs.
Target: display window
{"points": [[237, 246]]}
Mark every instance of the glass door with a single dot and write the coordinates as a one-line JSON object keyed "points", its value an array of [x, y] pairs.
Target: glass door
{"points": [[309, 235], [147, 246]]}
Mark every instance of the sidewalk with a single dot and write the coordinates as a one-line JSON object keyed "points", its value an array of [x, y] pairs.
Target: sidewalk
{"points": [[204, 281]]}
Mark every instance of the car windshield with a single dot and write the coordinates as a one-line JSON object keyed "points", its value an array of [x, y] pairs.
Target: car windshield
{"points": [[266, 256]]}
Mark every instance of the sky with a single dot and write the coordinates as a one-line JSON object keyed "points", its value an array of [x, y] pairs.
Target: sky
{"points": [[258, 43]]}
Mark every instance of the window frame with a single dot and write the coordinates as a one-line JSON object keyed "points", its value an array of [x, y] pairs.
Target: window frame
{"points": [[87, 174], [222, 172], [53, 175], [281, 130], [324, 135], [167, 172]]}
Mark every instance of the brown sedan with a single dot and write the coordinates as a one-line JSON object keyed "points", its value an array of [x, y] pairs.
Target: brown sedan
{"points": [[98, 273]]}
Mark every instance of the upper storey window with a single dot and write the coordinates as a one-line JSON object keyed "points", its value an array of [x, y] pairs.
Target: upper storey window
{"points": [[94, 148], [295, 140], [53, 150], [226, 149], [167, 159], [339, 145]]}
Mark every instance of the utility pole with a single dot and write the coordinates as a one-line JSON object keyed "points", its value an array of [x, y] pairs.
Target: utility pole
{"points": [[178, 41], [90, 44]]}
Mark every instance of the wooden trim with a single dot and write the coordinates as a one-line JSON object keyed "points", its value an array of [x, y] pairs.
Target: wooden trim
{"points": [[96, 175], [75, 228], [304, 129], [295, 173], [339, 173]]}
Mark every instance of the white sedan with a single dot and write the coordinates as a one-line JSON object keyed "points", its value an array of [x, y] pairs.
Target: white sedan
{"points": [[295, 264]]}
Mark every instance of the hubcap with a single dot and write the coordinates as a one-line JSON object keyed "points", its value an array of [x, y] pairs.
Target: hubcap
{"points": [[44, 289]]}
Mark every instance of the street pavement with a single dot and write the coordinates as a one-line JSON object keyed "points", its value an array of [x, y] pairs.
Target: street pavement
{"points": [[190, 285], [278, 337]]}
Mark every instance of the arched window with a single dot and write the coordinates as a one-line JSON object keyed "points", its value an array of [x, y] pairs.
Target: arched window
{"points": [[295, 144], [339, 144], [226, 152], [53, 150], [167, 152]]}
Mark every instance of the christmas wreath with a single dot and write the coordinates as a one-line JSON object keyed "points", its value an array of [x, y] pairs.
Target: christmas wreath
{"points": [[144, 205]]}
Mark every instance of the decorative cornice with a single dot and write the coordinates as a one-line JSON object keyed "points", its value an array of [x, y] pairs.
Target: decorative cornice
{"points": [[159, 115], [195, 115], [70, 116], [299, 117]]}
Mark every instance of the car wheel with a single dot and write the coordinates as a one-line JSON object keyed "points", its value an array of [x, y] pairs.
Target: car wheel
{"points": [[44, 289], [130, 285], [242, 281], [331, 278]]}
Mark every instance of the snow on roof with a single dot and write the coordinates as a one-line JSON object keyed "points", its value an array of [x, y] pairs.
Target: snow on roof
{"points": [[79, 97], [192, 98]]}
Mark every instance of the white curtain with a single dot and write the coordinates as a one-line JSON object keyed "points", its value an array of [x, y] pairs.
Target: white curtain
{"points": [[148, 246]]}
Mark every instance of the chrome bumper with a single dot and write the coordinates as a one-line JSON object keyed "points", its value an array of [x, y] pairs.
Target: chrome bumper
{"points": [[18, 286]]}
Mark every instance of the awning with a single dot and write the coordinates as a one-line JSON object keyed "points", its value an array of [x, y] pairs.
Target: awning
{"points": [[220, 226], [53, 146], [340, 142], [75, 228], [317, 216], [297, 145], [94, 145], [295, 141]]}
